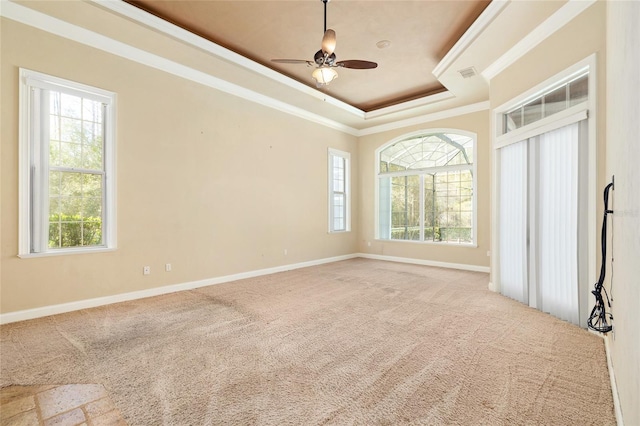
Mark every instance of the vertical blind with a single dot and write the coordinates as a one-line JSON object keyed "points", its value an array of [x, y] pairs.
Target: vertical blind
{"points": [[538, 221], [558, 223], [513, 221]]}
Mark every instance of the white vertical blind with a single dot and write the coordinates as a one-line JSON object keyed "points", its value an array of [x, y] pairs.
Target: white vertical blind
{"points": [[557, 214], [539, 220], [513, 221]]}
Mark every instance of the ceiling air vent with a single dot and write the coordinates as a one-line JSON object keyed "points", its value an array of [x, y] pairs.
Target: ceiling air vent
{"points": [[468, 72]]}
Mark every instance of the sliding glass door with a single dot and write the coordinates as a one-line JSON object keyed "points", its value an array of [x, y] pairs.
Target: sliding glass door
{"points": [[557, 223], [541, 260]]}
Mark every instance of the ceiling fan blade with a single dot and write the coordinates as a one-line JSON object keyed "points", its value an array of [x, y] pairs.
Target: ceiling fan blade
{"points": [[329, 42], [356, 64], [292, 61]]}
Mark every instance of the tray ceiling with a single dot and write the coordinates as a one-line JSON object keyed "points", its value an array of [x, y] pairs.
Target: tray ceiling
{"points": [[420, 34]]}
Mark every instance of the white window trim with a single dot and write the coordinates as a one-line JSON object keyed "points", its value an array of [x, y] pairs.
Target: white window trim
{"points": [[560, 119], [499, 140], [347, 184], [474, 168], [28, 79]]}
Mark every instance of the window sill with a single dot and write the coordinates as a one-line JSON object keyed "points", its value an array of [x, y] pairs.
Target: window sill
{"points": [[339, 232], [63, 252]]}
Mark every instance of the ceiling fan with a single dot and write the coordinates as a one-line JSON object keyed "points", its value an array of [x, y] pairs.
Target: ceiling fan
{"points": [[325, 59]]}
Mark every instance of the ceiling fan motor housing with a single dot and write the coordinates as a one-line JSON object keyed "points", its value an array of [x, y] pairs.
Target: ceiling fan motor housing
{"points": [[325, 58], [320, 59]]}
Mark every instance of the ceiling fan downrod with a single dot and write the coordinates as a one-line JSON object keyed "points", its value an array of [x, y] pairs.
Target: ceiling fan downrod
{"points": [[325, 15], [324, 59]]}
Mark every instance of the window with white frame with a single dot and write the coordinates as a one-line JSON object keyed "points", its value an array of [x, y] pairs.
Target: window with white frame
{"points": [[426, 187], [67, 183], [561, 96], [339, 202]]}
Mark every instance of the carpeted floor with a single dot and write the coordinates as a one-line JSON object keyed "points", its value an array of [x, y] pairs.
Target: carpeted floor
{"points": [[353, 342]]}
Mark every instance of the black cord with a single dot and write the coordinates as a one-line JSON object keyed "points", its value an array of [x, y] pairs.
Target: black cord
{"points": [[599, 318], [612, 256]]}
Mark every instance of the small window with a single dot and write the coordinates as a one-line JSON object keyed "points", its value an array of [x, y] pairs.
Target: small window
{"points": [[426, 189], [339, 202], [572, 91], [67, 182]]}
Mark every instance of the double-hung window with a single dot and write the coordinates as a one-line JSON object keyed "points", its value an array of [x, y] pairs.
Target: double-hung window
{"points": [[67, 184], [339, 212]]}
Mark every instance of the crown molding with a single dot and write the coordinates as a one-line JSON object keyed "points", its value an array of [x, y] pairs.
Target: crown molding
{"points": [[160, 25], [44, 22], [479, 25], [84, 36], [426, 100], [440, 115], [552, 24]]}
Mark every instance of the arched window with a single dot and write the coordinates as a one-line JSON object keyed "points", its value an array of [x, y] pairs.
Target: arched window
{"points": [[426, 187]]}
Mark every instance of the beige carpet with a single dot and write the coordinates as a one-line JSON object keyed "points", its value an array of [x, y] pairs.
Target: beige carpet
{"points": [[354, 342]]}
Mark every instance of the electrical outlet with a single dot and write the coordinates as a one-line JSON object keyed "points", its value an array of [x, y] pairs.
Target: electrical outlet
{"points": [[368, 243], [146, 270], [167, 267], [285, 252]]}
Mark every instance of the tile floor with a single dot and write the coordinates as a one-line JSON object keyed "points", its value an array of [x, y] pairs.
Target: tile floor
{"points": [[64, 405]]}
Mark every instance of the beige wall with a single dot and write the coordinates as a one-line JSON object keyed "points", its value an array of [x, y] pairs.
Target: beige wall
{"points": [[477, 123], [608, 29], [208, 182], [218, 185], [579, 39], [623, 154]]}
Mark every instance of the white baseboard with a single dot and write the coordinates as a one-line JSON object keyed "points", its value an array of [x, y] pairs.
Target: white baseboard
{"points": [[614, 386], [44, 311], [462, 266], [124, 297]]}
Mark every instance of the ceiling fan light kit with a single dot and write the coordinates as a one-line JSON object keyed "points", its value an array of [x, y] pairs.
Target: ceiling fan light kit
{"points": [[324, 75], [325, 58]]}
